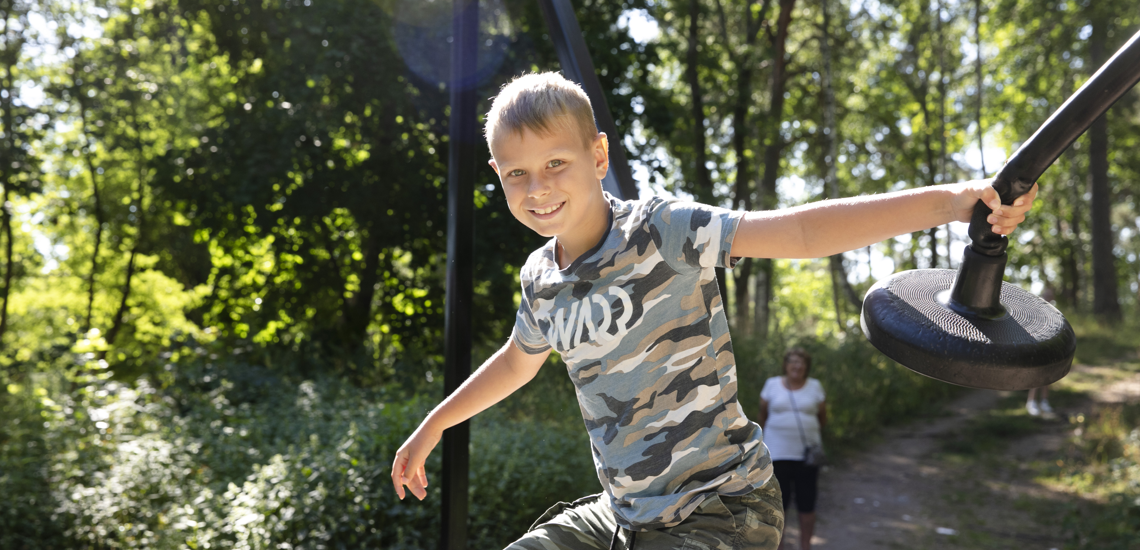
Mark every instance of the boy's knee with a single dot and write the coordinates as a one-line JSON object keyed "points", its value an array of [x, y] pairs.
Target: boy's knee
{"points": [[585, 524]]}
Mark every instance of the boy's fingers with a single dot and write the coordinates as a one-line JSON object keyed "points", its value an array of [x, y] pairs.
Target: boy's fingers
{"points": [[1007, 225], [991, 198], [398, 476], [417, 483], [1024, 203], [409, 470]]}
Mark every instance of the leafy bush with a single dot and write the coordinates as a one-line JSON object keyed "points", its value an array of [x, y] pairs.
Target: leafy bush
{"points": [[28, 504], [225, 451], [233, 455]]}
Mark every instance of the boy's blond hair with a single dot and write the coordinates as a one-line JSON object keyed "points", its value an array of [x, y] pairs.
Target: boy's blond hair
{"points": [[542, 103]]}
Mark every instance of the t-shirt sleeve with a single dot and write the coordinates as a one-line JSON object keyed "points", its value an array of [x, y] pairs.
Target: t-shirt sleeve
{"points": [[526, 334], [695, 235], [819, 391]]}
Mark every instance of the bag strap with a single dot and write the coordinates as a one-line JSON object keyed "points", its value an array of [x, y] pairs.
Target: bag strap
{"points": [[796, 414]]}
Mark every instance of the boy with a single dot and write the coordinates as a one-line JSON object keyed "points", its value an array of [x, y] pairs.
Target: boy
{"points": [[626, 293]]}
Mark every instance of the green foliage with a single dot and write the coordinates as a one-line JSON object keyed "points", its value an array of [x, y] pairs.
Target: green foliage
{"points": [[26, 514], [1106, 448], [1099, 343], [284, 164], [48, 315], [228, 454], [225, 451]]}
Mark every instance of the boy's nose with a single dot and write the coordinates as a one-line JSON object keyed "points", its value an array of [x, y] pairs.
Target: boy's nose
{"points": [[538, 186]]}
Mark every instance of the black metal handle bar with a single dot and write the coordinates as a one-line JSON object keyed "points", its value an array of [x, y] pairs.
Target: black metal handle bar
{"points": [[1096, 96]]}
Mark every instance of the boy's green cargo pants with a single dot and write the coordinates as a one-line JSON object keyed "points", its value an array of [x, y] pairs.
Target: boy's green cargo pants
{"points": [[752, 521]]}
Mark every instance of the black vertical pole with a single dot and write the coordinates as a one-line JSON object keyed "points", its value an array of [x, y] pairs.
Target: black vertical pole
{"points": [[562, 26], [464, 136]]}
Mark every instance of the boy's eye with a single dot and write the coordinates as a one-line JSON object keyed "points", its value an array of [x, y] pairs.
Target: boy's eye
{"points": [[555, 163], [517, 172]]}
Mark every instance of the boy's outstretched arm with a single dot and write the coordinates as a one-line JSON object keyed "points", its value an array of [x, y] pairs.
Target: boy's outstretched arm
{"points": [[829, 227], [506, 371]]}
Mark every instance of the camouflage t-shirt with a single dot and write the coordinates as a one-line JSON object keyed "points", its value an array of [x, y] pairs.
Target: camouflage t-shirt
{"points": [[639, 322]]}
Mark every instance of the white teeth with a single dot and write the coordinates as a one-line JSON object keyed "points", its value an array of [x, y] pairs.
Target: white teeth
{"points": [[548, 210]]}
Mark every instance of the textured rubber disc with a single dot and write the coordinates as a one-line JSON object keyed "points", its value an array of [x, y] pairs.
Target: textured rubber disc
{"points": [[908, 317]]}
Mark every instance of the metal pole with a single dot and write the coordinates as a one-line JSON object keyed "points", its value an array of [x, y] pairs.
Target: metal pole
{"points": [[464, 137], [562, 26]]}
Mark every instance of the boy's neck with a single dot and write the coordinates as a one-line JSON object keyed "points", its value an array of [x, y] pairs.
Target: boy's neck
{"points": [[575, 243]]}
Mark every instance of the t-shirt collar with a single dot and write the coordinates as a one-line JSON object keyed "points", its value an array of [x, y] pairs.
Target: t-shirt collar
{"points": [[553, 246]]}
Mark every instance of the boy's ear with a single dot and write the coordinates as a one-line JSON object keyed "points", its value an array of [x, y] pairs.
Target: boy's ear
{"points": [[601, 155], [494, 166]]}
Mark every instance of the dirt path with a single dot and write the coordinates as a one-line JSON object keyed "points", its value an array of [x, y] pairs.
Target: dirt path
{"points": [[909, 491]]}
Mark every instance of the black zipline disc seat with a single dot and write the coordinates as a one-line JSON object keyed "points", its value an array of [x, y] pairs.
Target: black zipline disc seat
{"points": [[968, 327]]}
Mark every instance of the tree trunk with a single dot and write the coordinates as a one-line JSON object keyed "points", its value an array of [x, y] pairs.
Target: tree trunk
{"points": [[981, 82], [140, 214], [5, 162], [704, 188], [920, 90], [942, 80], [830, 139], [774, 142], [6, 213], [1069, 275], [772, 148], [98, 211], [742, 194], [931, 168], [762, 298], [358, 309], [1106, 304], [120, 313], [1077, 252], [1073, 259]]}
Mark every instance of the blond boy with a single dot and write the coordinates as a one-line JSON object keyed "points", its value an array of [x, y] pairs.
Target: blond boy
{"points": [[625, 291]]}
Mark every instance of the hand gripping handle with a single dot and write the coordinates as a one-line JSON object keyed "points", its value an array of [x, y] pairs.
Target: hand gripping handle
{"points": [[1096, 96]]}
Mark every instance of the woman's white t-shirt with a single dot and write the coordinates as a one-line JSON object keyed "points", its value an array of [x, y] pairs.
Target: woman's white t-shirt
{"points": [[781, 433]]}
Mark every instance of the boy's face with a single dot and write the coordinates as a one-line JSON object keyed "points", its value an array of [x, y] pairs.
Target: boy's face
{"points": [[551, 182]]}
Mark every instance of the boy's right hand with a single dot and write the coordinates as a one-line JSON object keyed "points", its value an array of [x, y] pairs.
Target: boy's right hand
{"points": [[506, 371], [408, 467]]}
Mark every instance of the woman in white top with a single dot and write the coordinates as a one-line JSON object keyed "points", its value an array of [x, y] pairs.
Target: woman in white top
{"points": [[793, 413]]}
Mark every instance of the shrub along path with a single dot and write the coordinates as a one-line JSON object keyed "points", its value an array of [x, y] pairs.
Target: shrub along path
{"points": [[971, 478]]}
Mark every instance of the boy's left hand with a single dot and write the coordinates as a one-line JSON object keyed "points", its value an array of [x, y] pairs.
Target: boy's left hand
{"points": [[1005, 217]]}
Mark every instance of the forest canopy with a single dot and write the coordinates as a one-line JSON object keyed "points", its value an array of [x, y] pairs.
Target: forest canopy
{"points": [[272, 174]]}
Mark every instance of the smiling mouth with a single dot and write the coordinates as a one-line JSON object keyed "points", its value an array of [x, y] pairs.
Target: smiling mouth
{"points": [[549, 209]]}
